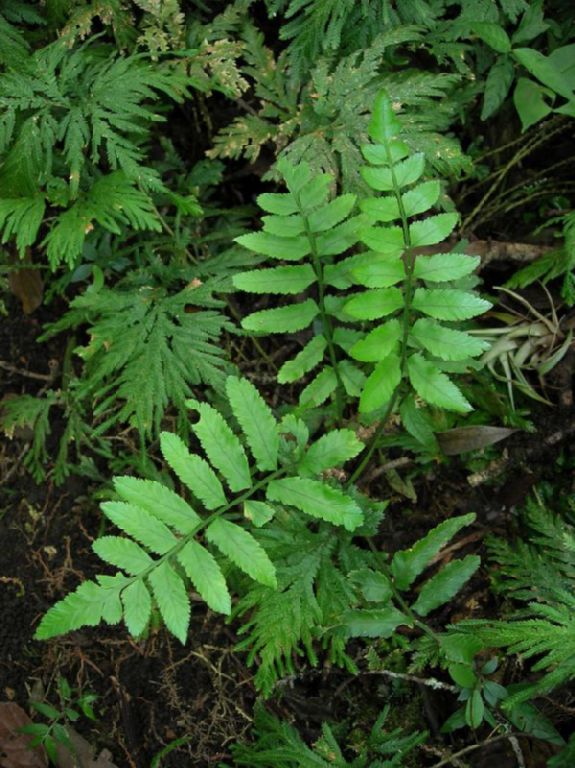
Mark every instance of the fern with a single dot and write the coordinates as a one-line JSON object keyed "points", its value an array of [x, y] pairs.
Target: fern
{"points": [[148, 349], [279, 745], [426, 297], [305, 610], [541, 575], [160, 553], [303, 224], [44, 106], [326, 123]]}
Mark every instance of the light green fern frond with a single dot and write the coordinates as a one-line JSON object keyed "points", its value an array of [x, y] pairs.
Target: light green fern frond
{"points": [[168, 541]]}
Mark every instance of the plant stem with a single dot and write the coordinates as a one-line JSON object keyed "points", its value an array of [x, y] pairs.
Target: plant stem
{"points": [[409, 266], [325, 318]]}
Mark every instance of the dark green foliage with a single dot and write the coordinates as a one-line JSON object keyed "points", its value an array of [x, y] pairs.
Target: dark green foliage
{"points": [[538, 573], [279, 745]]}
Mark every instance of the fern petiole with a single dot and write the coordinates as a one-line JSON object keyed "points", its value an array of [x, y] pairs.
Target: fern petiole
{"points": [[204, 523], [409, 266], [325, 318]]}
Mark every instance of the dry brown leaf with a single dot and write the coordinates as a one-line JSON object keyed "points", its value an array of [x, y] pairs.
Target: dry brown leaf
{"points": [[15, 751], [84, 754], [26, 284], [465, 439]]}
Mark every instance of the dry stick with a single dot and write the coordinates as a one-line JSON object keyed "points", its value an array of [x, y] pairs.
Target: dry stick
{"points": [[28, 374], [428, 682], [472, 747]]}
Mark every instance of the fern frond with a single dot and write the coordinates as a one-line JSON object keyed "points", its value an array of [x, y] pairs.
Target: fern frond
{"points": [[541, 575], [160, 553]]}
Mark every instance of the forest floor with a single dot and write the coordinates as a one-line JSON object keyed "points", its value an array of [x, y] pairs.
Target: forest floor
{"points": [[154, 692]]}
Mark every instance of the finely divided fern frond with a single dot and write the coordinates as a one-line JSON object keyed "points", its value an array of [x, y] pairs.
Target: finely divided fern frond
{"points": [[540, 575], [147, 351], [169, 541]]}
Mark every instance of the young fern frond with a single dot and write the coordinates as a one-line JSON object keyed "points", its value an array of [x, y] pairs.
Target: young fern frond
{"points": [[411, 291], [168, 541], [304, 225]]}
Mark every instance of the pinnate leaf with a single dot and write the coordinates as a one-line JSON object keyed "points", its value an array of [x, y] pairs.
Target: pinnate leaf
{"points": [[379, 343], [222, 447], [289, 319], [380, 384], [435, 387], [445, 584], [320, 388], [384, 124], [284, 226], [386, 240], [155, 498], [449, 303], [374, 622], [193, 471], [444, 266], [140, 525], [370, 305], [284, 248], [137, 604], [206, 576], [432, 230], [256, 420], [243, 550], [123, 553], [305, 361], [285, 280], [83, 608], [172, 599], [331, 214], [421, 198], [331, 450], [382, 271], [278, 203], [317, 500], [446, 343], [407, 564]]}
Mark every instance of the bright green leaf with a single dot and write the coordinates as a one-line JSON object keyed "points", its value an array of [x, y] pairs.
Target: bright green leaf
{"points": [[256, 420], [370, 305], [305, 361], [284, 280], [432, 230], [435, 387], [288, 319], [442, 267], [194, 472], [206, 576], [442, 587], [172, 599], [317, 500], [243, 550], [447, 343], [407, 564], [222, 447], [381, 384], [449, 303]]}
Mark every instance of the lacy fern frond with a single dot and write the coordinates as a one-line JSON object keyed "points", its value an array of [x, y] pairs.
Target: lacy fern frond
{"points": [[148, 350], [541, 575], [168, 541], [55, 141], [279, 745]]}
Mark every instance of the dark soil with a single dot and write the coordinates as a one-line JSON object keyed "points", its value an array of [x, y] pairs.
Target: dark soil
{"points": [[154, 692]]}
